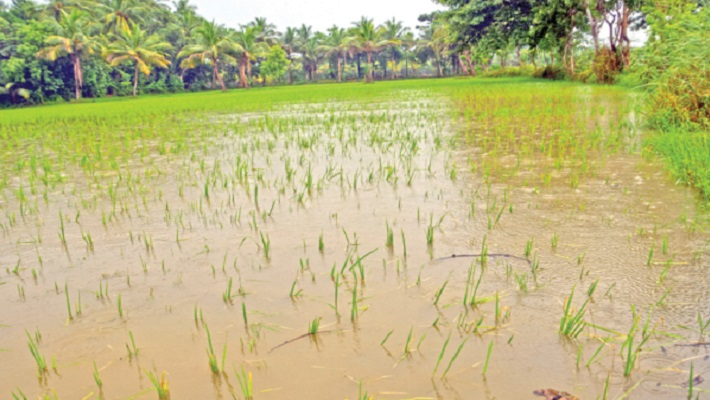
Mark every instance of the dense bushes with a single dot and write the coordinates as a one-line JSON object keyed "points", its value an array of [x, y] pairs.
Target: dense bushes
{"points": [[675, 65]]}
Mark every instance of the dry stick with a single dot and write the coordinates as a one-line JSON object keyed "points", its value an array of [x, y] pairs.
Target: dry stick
{"points": [[453, 256], [303, 336]]}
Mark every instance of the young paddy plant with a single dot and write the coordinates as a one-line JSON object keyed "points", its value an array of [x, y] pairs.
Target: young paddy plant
{"points": [[131, 349], [245, 384], [572, 322], [39, 358], [99, 382], [159, 384], [313, 326]]}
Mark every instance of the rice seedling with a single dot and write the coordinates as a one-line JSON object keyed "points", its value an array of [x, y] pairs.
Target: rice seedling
{"points": [[160, 385], [210, 352], [488, 358], [39, 359], [389, 243], [439, 292], [244, 315], [245, 384], [555, 240], [66, 294], [353, 308], [266, 245], [572, 321], [313, 326], [455, 356], [650, 256], [132, 349], [97, 379], [430, 232], [120, 306], [407, 350], [387, 336], [528, 248], [441, 354], [227, 295]]}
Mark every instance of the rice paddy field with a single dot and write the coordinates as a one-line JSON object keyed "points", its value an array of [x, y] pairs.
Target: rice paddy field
{"points": [[434, 239]]}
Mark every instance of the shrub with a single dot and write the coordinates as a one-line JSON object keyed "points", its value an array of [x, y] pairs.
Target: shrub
{"points": [[606, 65]]}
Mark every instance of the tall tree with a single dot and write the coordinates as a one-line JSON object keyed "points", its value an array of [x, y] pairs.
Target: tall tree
{"points": [[368, 39], [289, 43], [120, 15], [337, 44], [140, 49], [393, 31], [248, 46], [213, 47], [73, 37]]}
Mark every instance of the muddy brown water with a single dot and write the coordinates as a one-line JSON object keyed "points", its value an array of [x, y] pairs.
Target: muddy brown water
{"points": [[170, 247]]}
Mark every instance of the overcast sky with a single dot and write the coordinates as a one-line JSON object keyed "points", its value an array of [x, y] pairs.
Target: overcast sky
{"points": [[321, 14]]}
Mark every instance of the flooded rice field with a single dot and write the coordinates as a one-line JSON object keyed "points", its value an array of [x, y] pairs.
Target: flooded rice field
{"points": [[454, 239]]}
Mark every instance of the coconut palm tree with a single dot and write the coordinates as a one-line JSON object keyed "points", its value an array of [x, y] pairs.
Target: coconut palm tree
{"points": [[266, 31], [337, 44], [288, 44], [248, 46], [73, 37], [213, 46], [368, 39], [120, 15], [183, 7], [437, 37], [392, 32], [56, 8], [140, 49]]}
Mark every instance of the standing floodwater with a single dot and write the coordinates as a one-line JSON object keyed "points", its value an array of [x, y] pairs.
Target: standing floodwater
{"points": [[297, 243]]}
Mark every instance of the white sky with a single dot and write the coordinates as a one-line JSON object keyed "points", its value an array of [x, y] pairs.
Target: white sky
{"points": [[321, 14]]}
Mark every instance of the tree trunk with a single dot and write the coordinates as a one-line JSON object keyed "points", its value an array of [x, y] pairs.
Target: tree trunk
{"points": [[290, 71], [594, 25], [438, 67], [243, 74], [394, 69], [359, 67], [219, 78], [471, 66], [135, 81], [517, 53], [463, 68], [78, 76], [340, 76], [369, 63], [625, 43]]}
